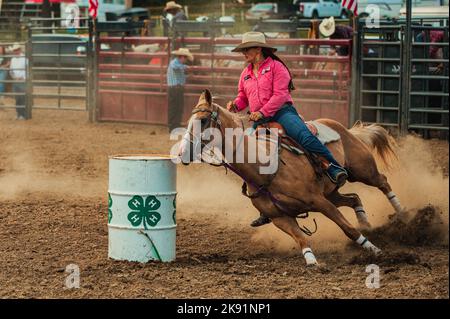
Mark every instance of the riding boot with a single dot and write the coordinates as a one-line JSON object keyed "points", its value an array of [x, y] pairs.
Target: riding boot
{"points": [[337, 174], [261, 220]]}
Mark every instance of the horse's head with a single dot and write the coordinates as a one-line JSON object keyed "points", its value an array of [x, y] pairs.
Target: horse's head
{"points": [[204, 115]]}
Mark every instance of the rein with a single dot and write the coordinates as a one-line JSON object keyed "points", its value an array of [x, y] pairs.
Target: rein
{"points": [[260, 189]]}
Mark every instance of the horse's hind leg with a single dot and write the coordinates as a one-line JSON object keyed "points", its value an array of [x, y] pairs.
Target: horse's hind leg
{"points": [[384, 186], [380, 181], [290, 226], [365, 171], [328, 209], [351, 200]]}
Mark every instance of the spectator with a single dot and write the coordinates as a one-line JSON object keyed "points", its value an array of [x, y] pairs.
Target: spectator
{"points": [[18, 72], [172, 12], [176, 79], [4, 65], [436, 51], [329, 29]]}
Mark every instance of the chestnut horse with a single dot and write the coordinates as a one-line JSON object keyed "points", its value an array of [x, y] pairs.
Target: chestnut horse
{"points": [[296, 187]]}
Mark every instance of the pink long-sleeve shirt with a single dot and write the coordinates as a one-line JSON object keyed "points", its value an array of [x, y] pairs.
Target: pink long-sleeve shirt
{"points": [[266, 93]]}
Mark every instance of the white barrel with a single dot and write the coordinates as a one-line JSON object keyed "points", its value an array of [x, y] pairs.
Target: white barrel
{"points": [[142, 208]]}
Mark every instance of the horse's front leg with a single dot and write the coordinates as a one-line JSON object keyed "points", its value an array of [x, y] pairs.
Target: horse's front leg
{"points": [[290, 226], [327, 208]]}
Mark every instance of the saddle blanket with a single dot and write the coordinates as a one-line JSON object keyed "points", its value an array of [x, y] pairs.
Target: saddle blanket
{"points": [[325, 134]]}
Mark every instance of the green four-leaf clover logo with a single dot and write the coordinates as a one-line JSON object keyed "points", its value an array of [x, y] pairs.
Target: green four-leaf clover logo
{"points": [[144, 212], [110, 202]]}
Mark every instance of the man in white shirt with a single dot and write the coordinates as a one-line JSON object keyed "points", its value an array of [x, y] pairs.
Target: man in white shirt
{"points": [[18, 72]]}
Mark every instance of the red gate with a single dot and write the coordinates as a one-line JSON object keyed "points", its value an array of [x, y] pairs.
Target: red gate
{"points": [[132, 84]]}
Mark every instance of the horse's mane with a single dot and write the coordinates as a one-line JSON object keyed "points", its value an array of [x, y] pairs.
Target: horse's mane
{"points": [[237, 117]]}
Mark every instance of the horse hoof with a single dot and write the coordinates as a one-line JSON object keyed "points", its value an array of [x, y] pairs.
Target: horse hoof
{"points": [[312, 265], [318, 268]]}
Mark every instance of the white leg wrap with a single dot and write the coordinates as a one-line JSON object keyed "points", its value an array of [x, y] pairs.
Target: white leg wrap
{"points": [[366, 244], [361, 214], [394, 202], [309, 256]]}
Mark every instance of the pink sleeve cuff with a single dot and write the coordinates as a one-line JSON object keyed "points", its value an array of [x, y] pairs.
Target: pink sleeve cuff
{"points": [[264, 112], [240, 105]]}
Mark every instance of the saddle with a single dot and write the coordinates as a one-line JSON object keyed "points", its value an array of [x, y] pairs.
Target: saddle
{"points": [[321, 131]]}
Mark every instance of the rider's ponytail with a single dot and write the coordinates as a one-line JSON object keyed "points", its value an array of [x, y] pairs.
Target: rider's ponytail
{"points": [[269, 53]]}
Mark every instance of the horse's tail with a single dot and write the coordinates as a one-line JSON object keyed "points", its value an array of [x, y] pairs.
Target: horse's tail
{"points": [[376, 138]]}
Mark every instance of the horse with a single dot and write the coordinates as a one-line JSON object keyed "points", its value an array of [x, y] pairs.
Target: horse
{"points": [[296, 187]]}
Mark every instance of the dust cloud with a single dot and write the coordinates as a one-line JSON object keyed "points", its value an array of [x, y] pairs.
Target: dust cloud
{"points": [[25, 177], [208, 191]]}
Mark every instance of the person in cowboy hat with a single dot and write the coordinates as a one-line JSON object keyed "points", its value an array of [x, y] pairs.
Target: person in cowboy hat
{"points": [[265, 87], [176, 79], [172, 12], [18, 72], [329, 29]]}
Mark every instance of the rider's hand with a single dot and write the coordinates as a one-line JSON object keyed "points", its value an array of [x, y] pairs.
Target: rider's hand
{"points": [[231, 106], [255, 116]]}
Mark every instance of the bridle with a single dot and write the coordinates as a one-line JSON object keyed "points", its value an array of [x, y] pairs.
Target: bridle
{"points": [[213, 118]]}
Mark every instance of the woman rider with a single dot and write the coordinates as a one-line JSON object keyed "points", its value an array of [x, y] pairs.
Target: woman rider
{"points": [[265, 86]]}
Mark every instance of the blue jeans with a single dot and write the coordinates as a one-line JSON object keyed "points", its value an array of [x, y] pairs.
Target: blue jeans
{"points": [[288, 117], [20, 99]]}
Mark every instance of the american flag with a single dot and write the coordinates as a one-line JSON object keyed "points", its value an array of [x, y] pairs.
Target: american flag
{"points": [[351, 5], [93, 8]]}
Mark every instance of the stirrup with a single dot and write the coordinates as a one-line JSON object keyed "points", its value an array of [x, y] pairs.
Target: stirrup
{"points": [[261, 220]]}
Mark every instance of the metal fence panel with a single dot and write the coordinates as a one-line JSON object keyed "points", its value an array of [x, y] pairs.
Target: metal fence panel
{"points": [[132, 76], [60, 60], [403, 84]]}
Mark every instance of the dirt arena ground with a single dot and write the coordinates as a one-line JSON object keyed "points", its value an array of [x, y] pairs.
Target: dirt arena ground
{"points": [[53, 212]]}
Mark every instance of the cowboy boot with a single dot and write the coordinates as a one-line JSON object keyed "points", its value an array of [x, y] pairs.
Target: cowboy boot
{"points": [[261, 220], [337, 174]]}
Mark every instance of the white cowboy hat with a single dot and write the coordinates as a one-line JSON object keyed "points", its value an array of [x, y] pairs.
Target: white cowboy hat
{"points": [[184, 52], [251, 40], [172, 5], [15, 46], [327, 27]]}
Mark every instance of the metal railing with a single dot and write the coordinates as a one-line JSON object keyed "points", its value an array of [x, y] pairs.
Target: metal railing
{"points": [[399, 83], [131, 73], [59, 67], [60, 64]]}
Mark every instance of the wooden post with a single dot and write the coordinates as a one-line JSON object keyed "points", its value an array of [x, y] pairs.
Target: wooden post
{"points": [[186, 11], [223, 9], [128, 4]]}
